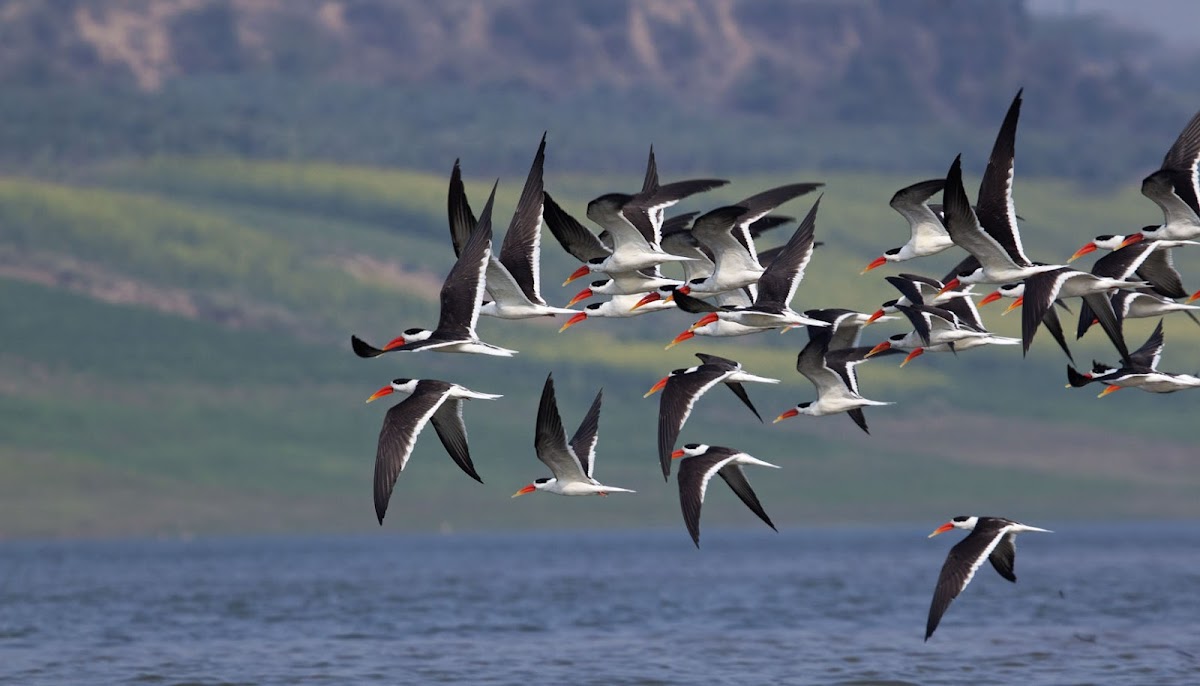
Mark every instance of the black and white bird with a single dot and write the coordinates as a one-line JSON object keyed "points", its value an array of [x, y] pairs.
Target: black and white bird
{"points": [[1148, 260], [461, 297], [1141, 371], [930, 290], [1050, 319], [726, 231], [777, 285], [1042, 289], [428, 401], [635, 223], [953, 328], [928, 232], [845, 326], [514, 279], [1141, 305], [1152, 261], [1174, 188], [832, 373], [709, 325], [703, 461], [682, 387], [990, 231], [572, 462], [991, 538], [618, 306]]}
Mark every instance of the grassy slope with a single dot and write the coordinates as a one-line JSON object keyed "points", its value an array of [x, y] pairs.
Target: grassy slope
{"points": [[204, 427]]}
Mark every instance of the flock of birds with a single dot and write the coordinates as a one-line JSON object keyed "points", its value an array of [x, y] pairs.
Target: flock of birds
{"points": [[740, 291]]}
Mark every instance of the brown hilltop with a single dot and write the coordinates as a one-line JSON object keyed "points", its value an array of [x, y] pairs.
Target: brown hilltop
{"points": [[832, 61]]}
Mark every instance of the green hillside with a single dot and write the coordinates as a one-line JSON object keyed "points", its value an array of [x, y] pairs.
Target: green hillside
{"points": [[177, 360]]}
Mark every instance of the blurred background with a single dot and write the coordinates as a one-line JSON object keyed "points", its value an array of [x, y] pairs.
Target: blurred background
{"points": [[201, 200]]}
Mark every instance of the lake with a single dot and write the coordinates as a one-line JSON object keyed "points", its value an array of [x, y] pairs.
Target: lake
{"points": [[1107, 604]]}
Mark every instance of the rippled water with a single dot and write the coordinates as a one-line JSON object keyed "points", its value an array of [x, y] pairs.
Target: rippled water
{"points": [[1094, 604]]}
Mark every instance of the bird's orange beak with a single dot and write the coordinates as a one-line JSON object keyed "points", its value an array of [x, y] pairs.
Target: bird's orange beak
{"points": [[704, 321], [786, 415], [1194, 297], [1015, 304], [646, 300], [527, 489], [1131, 239], [1110, 389], [1090, 247], [916, 352], [394, 343], [941, 529], [386, 390], [875, 263], [677, 454], [656, 387], [990, 298], [573, 321], [875, 315], [950, 285], [578, 273], [581, 295], [686, 335], [878, 349]]}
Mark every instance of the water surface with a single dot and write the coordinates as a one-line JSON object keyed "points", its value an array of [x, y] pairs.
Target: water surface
{"points": [[1094, 604]]}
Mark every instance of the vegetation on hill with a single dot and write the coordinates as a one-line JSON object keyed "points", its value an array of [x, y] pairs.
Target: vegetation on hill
{"points": [[177, 338]]}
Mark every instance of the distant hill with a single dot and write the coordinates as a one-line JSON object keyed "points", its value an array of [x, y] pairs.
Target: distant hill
{"points": [[866, 84], [866, 62]]}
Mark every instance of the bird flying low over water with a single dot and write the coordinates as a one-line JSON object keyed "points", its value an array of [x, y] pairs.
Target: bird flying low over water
{"points": [[570, 463], [991, 538], [695, 472], [428, 400], [461, 297]]}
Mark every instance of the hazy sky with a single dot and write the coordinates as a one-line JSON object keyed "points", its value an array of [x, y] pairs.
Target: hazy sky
{"points": [[1177, 21]]}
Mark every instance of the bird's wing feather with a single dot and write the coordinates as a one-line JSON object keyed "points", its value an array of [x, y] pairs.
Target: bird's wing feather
{"points": [[398, 435], [448, 421], [521, 251]]}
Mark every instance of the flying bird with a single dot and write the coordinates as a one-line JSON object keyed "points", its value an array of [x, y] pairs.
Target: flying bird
{"points": [[991, 538], [832, 373], [777, 285], [461, 297], [514, 280], [572, 462], [695, 472], [428, 400], [1140, 371], [682, 387], [928, 231], [990, 232], [1174, 188]]}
